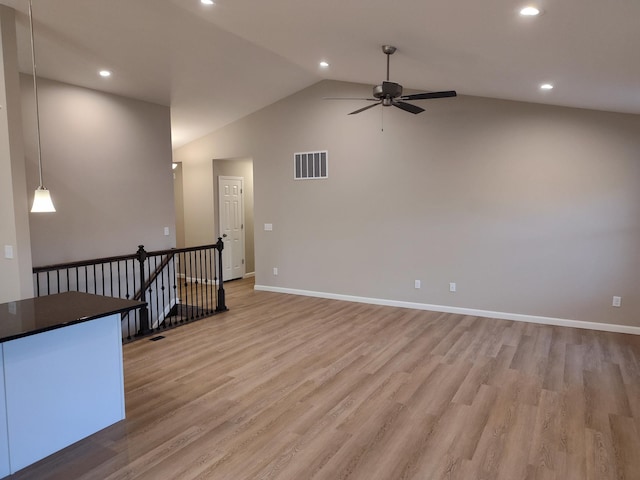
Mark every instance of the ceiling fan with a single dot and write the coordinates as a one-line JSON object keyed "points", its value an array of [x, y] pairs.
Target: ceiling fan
{"points": [[390, 93]]}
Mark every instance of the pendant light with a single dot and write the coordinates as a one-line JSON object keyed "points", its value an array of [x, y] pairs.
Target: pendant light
{"points": [[42, 198]]}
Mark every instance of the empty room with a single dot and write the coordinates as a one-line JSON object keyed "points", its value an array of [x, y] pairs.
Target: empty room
{"points": [[366, 241]]}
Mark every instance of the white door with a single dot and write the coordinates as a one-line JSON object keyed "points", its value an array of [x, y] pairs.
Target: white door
{"points": [[231, 213]]}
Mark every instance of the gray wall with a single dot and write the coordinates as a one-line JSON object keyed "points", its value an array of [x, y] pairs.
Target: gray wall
{"points": [[530, 209], [179, 205], [15, 273], [107, 162]]}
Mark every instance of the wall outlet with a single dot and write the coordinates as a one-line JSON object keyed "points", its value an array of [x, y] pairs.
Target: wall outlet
{"points": [[275, 271], [417, 284], [268, 227], [617, 301], [166, 231], [452, 287]]}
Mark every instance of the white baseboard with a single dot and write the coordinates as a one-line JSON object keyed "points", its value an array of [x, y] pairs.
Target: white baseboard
{"points": [[249, 275], [202, 281], [560, 322]]}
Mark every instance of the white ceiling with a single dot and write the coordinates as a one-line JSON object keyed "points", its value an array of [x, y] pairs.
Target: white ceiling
{"points": [[216, 64]]}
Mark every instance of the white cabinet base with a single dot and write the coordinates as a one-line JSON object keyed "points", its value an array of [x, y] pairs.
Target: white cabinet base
{"points": [[61, 386]]}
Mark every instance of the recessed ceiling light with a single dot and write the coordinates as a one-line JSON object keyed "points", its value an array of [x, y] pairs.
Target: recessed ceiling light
{"points": [[529, 11], [207, 2], [104, 73], [324, 64], [546, 86]]}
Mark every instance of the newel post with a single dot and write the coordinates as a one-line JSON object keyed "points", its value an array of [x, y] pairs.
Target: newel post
{"points": [[144, 311], [221, 304]]}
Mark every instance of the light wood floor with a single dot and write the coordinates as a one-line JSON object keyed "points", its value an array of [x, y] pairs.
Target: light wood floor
{"points": [[287, 387]]}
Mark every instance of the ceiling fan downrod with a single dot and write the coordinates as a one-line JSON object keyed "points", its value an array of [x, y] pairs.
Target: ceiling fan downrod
{"points": [[388, 50]]}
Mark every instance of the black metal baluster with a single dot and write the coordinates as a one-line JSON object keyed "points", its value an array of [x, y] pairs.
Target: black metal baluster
{"points": [[198, 299], [151, 289], [173, 290], [191, 281], [207, 285], [119, 280], [212, 267], [183, 289], [144, 312], [111, 279], [165, 313], [221, 305]]}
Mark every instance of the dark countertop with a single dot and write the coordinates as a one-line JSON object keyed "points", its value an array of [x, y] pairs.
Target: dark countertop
{"points": [[36, 315]]}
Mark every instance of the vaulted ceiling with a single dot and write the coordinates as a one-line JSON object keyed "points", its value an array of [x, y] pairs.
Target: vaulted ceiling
{"points": [[215, 64]]}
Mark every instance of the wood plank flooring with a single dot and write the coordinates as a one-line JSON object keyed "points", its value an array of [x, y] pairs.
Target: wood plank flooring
{"points": [[296, 388]]}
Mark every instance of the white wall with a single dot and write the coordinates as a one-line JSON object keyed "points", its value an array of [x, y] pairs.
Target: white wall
{"points": [[107, 162], [530, 209]]}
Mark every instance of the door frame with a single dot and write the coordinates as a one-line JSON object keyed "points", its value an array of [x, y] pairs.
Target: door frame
{"points": [[221, 178]]}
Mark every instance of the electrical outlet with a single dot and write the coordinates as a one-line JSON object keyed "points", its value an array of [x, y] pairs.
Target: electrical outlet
{"points": [[166, 231], [417, 284], [275, 271], [452, 287], [268, 227], [617, 301]]}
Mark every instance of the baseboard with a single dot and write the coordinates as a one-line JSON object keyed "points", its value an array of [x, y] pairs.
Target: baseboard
{"points": [[517, 317], [249, 275], [203, 281]]}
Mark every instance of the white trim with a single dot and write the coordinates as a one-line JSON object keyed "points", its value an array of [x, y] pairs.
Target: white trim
{"points": [[249, 275], [517, 317], [198, 279]]}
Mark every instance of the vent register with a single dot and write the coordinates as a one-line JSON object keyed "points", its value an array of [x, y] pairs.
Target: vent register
{"points": [[310, 165]]}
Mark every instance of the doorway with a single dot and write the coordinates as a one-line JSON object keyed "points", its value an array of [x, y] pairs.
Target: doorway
{"points": [[231, 226], [241, 167]]}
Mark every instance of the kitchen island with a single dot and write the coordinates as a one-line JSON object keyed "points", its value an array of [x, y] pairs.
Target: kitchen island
{"points": [[61, 366]]}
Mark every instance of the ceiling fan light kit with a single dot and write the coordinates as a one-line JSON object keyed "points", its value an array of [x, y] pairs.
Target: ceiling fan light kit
{"points": [[389, 94]]}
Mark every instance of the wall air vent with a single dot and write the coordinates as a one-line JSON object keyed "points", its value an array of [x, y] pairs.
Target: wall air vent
{"points": [[310, 165]]}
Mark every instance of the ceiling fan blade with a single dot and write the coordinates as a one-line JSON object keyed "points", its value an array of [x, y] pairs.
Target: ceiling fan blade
{"points": [[429, 95], [407, 107], [349, 98], [365, 108]]}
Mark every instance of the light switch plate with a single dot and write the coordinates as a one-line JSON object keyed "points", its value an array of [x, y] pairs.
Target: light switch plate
{"points": [[8, 251]]}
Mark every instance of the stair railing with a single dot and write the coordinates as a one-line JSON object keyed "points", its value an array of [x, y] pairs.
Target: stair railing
{"points": [[178, 285]]}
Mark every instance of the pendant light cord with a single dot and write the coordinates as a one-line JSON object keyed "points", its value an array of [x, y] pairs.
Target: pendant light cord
{"points": [[35, 91]]}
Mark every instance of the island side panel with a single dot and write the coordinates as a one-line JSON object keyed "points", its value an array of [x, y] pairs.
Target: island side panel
{"points": [[61, 386], [4, 438]]}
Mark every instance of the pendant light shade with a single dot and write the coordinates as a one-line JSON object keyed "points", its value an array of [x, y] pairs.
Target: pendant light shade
{"points": [[42, 198], [42, 201]]}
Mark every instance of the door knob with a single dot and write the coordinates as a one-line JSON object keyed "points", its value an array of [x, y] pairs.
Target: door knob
{"points": [[224, 235]]}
